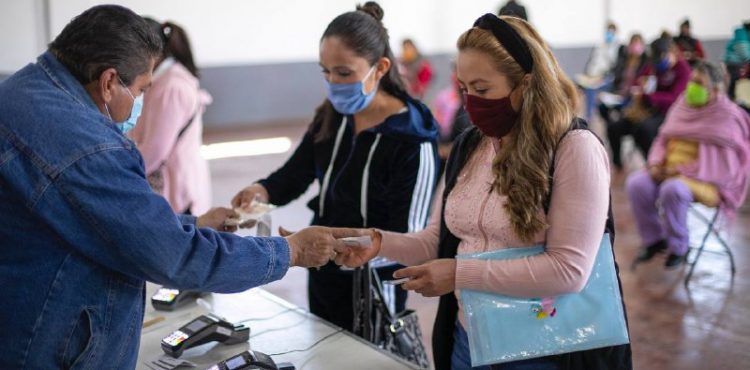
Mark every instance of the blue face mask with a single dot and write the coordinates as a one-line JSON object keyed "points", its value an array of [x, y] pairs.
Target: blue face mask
{"points": [[135, 112], [663, 65], [350, 98], [609, 37]]}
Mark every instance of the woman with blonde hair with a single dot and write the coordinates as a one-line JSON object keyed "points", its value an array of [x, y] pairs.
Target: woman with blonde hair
{"points": [[527, 173]]}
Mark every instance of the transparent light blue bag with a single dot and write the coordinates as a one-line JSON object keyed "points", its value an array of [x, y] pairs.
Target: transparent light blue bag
{"points": [[503, 328]]}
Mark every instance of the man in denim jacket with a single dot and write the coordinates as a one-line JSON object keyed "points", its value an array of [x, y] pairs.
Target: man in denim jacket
{"points": [[80, 228]]}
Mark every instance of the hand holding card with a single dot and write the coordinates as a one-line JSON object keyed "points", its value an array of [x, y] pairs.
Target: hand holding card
{"points": [[357, 251]]}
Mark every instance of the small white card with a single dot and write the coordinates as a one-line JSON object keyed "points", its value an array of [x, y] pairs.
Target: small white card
{"points": [[358, 241]]}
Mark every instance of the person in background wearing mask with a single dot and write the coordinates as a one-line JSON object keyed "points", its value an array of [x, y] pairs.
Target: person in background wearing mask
{"points": [[417, 70], [169, 133], [499, 194], [690, 47], [81, 228], [656, 87], [598, 73], [604, 57], [371, 147], [627, 68], [702, 154]]}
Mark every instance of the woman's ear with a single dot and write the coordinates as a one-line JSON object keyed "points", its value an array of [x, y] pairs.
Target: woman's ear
{"points": [[383, 66], [526, 81], [524, 84]]}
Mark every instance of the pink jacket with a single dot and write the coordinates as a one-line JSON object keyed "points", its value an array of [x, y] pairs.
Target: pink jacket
{"points": [[173, 99]]}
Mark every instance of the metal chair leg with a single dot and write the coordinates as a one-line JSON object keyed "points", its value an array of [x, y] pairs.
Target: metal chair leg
{"points": [[710, 223], [710, 228], [728, 251], [697, 256]]}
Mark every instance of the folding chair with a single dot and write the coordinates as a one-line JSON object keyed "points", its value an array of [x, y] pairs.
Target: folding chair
{"points": [[711, 228]]}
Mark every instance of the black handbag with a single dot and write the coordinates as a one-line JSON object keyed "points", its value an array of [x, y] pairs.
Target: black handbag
{"points": [[398, 334]]}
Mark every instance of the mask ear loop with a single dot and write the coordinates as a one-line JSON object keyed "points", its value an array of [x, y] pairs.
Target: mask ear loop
{"points": [[106, 107], [368, 76], [108, 114]]}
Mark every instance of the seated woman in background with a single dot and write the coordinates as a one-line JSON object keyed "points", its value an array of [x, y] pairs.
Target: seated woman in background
{"points": [[657, 86], [737, 57], [626, 70], [690, 47], [702, 154], [169, 133]]}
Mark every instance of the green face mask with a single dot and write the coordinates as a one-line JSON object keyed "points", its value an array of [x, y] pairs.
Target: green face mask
{"points": [[696, 95]]}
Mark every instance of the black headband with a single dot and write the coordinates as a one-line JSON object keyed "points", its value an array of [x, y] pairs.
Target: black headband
{"points": [[508, 38]]}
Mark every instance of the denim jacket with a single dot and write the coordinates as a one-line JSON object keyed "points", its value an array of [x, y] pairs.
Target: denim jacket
{"points": [[81, 230]]}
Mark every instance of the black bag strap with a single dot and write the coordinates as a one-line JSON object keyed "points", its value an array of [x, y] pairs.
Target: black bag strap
{"points": [[187, 126], [180, 134]]}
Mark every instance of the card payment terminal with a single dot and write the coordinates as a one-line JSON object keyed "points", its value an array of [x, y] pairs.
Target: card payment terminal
{"points": [[251, 360], [166, 299], [204, 329]]}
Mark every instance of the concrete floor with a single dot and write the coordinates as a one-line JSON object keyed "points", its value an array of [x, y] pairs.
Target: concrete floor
{"points": [[705, 327]]}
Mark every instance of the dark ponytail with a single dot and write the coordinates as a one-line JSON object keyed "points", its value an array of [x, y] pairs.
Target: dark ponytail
{"points": [[177, 46], [363, 32]]}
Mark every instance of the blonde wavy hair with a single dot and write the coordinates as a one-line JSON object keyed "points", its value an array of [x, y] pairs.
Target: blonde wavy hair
{"points": [[550, 101]]}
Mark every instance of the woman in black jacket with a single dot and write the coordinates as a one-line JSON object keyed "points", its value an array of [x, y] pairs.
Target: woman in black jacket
{"points": [[371, 147]]}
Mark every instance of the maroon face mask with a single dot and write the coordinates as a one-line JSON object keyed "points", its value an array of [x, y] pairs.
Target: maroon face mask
{"points": [[494, 117]]}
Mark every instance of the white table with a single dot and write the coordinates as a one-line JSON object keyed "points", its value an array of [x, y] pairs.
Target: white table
{"points": [[277, 326]]}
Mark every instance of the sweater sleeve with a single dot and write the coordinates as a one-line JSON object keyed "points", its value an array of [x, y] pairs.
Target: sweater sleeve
{"points": [[414, 248], [295, 176], [103, 209], [577, 214]]}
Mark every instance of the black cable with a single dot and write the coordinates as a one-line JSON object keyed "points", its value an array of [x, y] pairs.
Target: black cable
{"points": [[281, 328], [303, 311], [321, 340]]}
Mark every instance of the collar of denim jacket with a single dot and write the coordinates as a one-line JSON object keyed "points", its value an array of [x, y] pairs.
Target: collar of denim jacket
{"points": [[64, 80]]}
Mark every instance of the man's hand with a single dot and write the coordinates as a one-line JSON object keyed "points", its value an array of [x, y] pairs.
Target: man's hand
{"points": [[315, 246], [358, 256], [215, 219], [432, 279]]}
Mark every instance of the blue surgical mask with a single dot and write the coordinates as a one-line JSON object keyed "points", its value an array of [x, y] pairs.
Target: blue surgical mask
{"points": [[663, 65], [350, 98], [609, 37], [135, 112]]}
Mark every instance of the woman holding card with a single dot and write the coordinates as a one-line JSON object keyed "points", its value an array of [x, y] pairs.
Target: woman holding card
{"points": [[499, 194]]}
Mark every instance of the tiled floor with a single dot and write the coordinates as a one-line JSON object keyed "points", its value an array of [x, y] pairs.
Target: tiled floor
{"points": [[705, 327]]}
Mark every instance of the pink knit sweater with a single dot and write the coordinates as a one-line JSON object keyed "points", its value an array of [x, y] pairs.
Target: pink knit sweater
{"points": [[577, 213]]}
